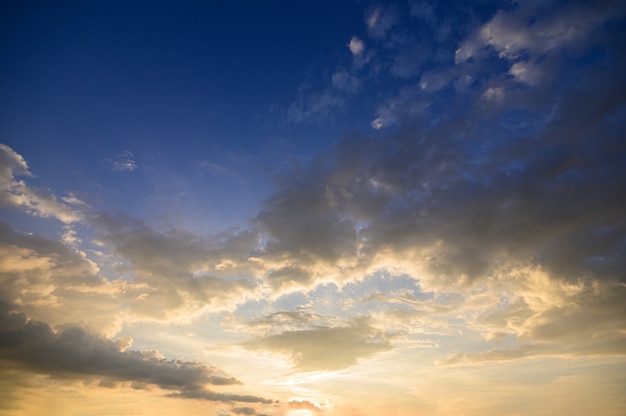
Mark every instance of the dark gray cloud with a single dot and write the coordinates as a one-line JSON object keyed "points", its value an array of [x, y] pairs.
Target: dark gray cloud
{"points": [[73, 352]]}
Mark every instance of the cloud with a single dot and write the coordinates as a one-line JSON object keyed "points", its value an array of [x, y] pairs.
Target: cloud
{"points": [[73, 352], [482, 200], [123, 162], [212, 166], [17, 194], [314, 107], [407, 62], [529, 73], [244, 411], [535, 30], [303, 404], [379, 20], [202, 394], [407, 105], [179, 275], [326, 348], [53, 281], [356, 46], [344, 81]]}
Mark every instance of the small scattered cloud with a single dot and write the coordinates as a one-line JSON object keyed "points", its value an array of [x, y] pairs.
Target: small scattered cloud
{"points": [[379, 20], [494, 94], [356, 46], [527, 72], [344, 81], [123, 162]]}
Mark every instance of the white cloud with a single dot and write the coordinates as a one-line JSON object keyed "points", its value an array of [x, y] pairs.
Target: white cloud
{"points": [[356, 45], [527, 72], [377, 123], [123, 162], [37, 202], [494, 94], [511, 33]]}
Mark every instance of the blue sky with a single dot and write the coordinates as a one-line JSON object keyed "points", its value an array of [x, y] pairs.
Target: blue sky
{"points": [[296, 209]]}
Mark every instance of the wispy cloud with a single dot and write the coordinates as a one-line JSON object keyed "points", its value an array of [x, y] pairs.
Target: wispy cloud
{"points": [[123, 162], [379, 19]]}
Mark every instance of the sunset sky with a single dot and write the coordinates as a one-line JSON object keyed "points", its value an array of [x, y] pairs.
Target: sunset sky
{"points": [[313, 208]]}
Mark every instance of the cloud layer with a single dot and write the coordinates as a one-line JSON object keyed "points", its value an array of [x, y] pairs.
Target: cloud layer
{"points": [[73, 352]]}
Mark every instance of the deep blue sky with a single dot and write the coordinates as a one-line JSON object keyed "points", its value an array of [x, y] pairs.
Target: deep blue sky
{"points": [[172, 83]]}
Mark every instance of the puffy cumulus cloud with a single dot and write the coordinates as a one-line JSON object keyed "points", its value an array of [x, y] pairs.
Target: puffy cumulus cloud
{"points": [[16, 193], [178, 274], [537, 29], [472, 200], [537, 39], [528, 72], [73, 352], [356, 45], [52, 281], [157, 276], [123, 162], [326, 348]]}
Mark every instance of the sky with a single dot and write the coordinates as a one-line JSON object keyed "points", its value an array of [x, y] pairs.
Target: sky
{"points": [[313, 208]]}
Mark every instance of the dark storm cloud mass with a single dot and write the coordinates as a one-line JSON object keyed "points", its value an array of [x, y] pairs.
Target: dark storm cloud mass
{"points": [[73, 352]]}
